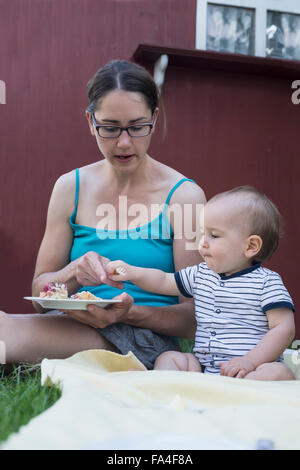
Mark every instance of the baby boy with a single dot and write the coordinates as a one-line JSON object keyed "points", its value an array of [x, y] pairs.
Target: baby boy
{"points": [[244, 314]]}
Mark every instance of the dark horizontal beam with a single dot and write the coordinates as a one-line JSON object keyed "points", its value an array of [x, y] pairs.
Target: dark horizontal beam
{"points": [[200, 59]]}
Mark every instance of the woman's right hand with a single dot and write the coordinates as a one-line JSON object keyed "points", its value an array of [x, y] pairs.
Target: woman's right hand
{"points": [[90, 271]]}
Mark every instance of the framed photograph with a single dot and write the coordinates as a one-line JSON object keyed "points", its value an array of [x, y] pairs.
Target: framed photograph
{"points": [[283, 35], [230, 29], [264, 28]]}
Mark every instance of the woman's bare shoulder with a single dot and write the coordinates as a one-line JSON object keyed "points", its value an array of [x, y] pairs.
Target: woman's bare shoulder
{"points": [[188, 191], [91, 173], [63, 194], [66, 183]]}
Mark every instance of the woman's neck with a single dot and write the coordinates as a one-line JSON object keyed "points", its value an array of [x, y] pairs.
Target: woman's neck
{"points": [[126, 180]]}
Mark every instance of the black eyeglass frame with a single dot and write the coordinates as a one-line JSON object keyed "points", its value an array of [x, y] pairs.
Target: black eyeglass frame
{"points": [[121, 129]]}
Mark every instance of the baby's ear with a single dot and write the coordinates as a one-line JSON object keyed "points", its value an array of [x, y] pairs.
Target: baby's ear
{"points": [[253, 246]]}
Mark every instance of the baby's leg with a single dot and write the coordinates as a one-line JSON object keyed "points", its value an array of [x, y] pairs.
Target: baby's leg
{"points": [[271, 371], [174, 360]]}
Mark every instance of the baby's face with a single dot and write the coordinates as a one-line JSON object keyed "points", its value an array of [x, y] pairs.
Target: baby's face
{"points": [[225, 236]]}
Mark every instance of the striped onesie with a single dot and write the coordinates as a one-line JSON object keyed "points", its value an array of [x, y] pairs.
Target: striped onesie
{"points": [[230, 310]]}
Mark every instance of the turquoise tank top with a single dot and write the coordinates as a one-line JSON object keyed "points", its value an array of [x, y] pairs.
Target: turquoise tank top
{"points": [[150, 245]]}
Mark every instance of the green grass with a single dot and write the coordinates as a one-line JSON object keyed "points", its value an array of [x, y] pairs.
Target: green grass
{"points": [[22, 397], [186, 345]]}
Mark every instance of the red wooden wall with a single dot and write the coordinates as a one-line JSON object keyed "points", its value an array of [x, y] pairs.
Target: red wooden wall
{"points": [[224, 129], [228, 127]]}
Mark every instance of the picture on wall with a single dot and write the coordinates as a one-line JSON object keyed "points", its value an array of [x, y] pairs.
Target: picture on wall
{"points": [[283, 35], [230, 29]]}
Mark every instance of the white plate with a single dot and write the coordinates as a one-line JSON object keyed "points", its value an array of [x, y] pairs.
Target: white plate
{"points": [[71, 304]]}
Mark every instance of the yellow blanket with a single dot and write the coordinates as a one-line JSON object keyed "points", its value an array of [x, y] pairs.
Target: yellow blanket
{"points": [[105, 405]]}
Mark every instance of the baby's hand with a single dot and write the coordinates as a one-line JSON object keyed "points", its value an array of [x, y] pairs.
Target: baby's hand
{"points": [[118, 271], [238, 367]]}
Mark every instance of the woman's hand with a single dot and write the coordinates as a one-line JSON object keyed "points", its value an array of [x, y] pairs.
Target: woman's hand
{"points": [[91, 271], [98, 317]]}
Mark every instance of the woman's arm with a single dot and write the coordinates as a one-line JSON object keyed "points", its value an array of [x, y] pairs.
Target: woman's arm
{"points": [[53, 257], [53, 263], [174, 320]]}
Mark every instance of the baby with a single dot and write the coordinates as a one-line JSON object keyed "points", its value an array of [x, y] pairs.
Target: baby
{"points": [[243, 311]]}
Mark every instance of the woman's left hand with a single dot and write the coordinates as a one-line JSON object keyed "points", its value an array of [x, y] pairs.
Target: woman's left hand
{"points": [[98, 317]]}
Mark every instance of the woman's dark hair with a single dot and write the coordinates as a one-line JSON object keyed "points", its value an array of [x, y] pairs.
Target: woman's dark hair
{"points": [[122, 75]]}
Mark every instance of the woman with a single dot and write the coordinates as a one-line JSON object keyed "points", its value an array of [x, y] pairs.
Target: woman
{"points": [[79, 240]]}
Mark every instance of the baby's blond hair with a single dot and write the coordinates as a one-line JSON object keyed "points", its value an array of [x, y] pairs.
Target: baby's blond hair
{"points": [[263, 218]]}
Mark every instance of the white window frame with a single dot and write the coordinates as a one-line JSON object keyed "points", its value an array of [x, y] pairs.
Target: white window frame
{"points": [[261, 7]]}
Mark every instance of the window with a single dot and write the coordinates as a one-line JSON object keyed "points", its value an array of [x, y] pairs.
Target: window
{"points": [[266, 28]]}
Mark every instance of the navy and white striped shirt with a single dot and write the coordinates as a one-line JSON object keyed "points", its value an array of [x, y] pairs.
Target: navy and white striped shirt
{"points": [[231, 310]]}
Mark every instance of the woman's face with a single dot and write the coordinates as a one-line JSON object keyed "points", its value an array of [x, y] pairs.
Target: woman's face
{"points": [[123, 108]]}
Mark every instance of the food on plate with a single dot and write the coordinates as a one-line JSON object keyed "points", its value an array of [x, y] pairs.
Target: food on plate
{"points": [[57, 290], [84, 295], [54, 290]]}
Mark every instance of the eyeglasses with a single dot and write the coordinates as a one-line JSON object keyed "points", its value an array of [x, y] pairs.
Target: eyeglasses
{"points": [[112, 132]]}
